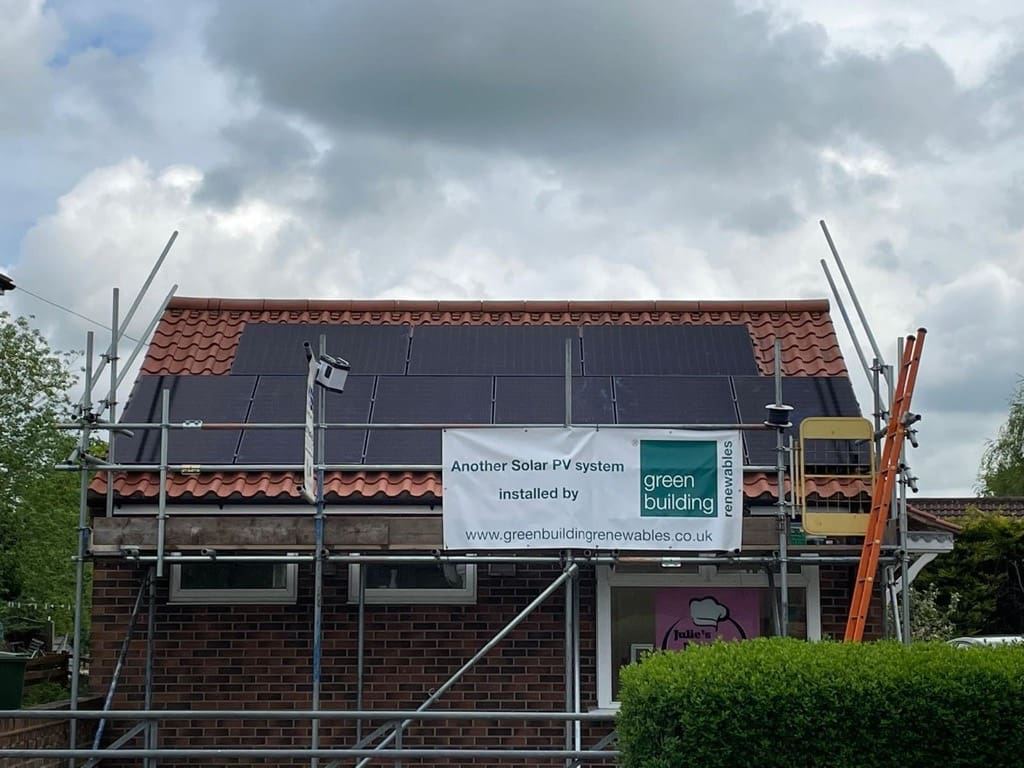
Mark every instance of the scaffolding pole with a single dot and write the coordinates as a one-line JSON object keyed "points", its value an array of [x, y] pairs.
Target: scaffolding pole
{"points": [[318, 565], [83, 532]]}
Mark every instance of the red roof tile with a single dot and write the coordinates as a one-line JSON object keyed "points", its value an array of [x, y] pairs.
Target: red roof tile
{"points": [[360, 486]]}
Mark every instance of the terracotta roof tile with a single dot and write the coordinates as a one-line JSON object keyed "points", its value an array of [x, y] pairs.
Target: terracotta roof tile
{"points": [[357, 486], [225, 486]]}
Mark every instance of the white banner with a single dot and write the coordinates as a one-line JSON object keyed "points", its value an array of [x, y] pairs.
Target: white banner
{"points": [[572, 488]]}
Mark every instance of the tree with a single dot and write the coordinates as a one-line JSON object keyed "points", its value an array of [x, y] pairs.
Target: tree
{"points": [[38, 505], [985, 573], [1002, 465]]}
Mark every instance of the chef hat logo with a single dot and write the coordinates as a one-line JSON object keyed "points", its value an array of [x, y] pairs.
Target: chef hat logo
{"points": [[707, 612]]}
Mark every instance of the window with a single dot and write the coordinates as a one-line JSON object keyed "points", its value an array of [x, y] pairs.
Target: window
{"points": [[226, 583], [433, 583], [639, 611]]}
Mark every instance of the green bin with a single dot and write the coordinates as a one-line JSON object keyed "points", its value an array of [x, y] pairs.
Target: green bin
{"points": [[12, 679]]}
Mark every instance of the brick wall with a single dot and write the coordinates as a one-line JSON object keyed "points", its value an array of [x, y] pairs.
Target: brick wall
{"points": [[42, 734], [235, 657], [836, 592], [252, 657]]}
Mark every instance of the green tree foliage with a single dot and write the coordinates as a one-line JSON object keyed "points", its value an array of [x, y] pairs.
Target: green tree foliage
{"points": [[986, 571], [38, 505], [1002, 465], [934, 615]]}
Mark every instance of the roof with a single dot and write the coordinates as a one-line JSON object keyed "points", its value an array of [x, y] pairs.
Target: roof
{"points": [[6, 284], [951, 507], [200, 337]]}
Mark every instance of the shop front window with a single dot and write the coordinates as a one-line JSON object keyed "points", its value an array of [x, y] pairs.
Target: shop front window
{"points": [[643, 612]]}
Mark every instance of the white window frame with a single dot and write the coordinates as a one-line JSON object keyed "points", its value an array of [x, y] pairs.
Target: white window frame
{"points": [[807, 578], [286, 595], [427, 596]]}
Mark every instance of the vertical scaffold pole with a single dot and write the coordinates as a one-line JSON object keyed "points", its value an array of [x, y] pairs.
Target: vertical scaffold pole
{"points": [[112, 397], [904, 531], [151, 729], [161, 519], [783, 518], [83, 532], [318, 565], [570, 664]]}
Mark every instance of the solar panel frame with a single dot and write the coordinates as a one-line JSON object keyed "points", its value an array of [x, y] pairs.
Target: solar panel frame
{"points": [[809, 396], [401, 399], [493, 350], [674, 400], [541, 400], [276, 348], [281, 399], [192, 398], [668, 350]]}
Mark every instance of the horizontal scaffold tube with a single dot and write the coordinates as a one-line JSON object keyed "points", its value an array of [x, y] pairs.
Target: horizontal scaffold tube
{"points": [[308, 714]]}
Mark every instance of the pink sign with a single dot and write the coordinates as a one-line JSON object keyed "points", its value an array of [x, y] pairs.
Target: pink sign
{"points": [[685, 615]]}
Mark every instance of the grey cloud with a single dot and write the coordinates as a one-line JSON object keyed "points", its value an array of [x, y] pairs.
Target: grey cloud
{"points": [[883, 256], [765, 216], [1013, 205], [575, 78], [264, 147]]}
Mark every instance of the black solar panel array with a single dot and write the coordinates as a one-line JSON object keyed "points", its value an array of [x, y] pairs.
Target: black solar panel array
{"points": [[668, 350], [469, 375], [809, 396], [276, 348], [493, 350], [192, 398]]}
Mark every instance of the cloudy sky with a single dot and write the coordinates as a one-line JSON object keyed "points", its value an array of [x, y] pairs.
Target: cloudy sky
{"points": [[575, 149]]}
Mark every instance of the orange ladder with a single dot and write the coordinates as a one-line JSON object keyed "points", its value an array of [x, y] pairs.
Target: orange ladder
{"points": [[889, 467]]}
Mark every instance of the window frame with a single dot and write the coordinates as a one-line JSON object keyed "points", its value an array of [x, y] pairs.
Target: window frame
{"points": [[466, 595], [806, 578], [286, 595]]}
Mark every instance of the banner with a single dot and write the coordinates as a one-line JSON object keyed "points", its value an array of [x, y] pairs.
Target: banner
{"points": [[585, 488]]}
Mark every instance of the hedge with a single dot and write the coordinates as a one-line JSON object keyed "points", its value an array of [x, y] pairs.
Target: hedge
{"points": [[782, 702]]}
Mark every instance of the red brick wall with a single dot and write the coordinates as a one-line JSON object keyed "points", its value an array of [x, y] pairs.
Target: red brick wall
{"points": [[224, 657], [42, 734], [252, 657], [836, 591]]}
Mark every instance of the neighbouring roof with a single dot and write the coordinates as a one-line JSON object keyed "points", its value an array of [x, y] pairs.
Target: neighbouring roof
{"points": [[201, 337], [949, 507]]}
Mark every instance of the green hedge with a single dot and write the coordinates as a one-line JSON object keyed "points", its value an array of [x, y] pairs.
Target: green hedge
{"points": [[780, 702]]}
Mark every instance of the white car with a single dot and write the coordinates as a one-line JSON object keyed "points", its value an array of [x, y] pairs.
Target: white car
{"points": [[974, 642]]}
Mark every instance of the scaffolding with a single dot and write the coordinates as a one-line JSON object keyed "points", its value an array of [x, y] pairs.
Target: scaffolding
{"points": [[384, 742]]}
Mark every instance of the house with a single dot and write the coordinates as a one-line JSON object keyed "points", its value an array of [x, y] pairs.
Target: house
{"points": [[241, 633]]}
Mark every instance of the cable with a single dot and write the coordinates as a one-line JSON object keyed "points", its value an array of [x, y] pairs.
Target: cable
{"points": [[23, 289]]}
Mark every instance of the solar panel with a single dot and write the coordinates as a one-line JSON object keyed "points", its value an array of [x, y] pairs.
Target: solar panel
{"points": [[809, 396], [192, 398], [281, 399], [419, 400], [674, 400], [493, 350], [541, 400], [276, 348], [667, 350]]}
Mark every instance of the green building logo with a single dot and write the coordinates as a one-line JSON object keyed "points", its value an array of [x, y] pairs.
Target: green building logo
{"points": [[678, 478]]}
